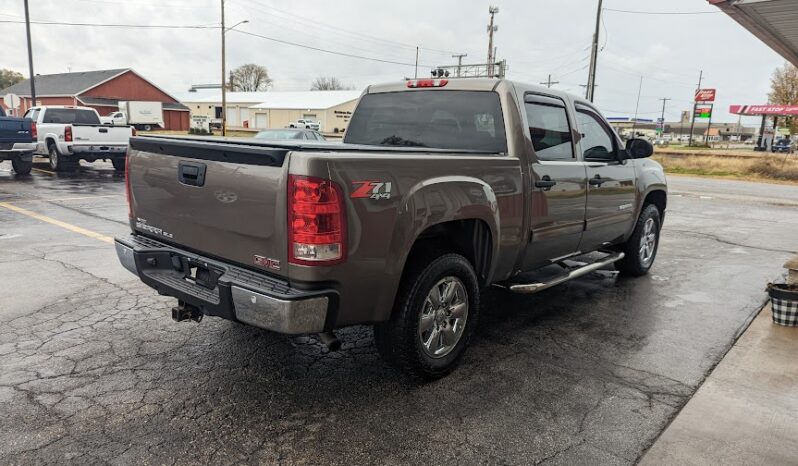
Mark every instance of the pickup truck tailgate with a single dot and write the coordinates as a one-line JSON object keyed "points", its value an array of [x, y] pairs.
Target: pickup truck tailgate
{"points": [[101, 134], [221, 200], [14, 130]]}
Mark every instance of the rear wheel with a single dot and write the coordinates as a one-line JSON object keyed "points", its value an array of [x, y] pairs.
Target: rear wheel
{"points": [[119, 164], [641, 248], [60, 163], [22, 167], [433, 319]]}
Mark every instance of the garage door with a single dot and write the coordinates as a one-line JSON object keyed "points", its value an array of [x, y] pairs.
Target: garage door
{"points": [[232, 116], [261, 120]]}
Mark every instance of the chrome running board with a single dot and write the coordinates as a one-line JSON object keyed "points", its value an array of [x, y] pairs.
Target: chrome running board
{"points": [[529, 288]]}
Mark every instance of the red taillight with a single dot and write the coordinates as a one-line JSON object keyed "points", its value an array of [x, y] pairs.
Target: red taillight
{"points": [[127, 186], [316, 221], [413, 83], [68, 133], [34, 132], [133, 130]]}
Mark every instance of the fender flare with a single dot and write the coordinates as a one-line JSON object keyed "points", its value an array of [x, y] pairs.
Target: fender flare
{"points": [[432, 202]]}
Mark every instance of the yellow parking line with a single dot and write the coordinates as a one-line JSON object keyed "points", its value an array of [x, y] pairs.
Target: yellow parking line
{"points": [[60, 199], [44, 171], [67, 226]]}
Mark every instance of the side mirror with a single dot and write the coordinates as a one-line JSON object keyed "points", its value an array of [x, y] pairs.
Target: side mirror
{"points": [[639, 148]]}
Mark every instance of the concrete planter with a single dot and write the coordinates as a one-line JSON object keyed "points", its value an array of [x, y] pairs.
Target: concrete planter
{"points": [[784, 300]]}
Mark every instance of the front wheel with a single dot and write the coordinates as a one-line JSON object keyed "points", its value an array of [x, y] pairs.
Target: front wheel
{"points": [[641, 248], [22, 167], [433, 319]]}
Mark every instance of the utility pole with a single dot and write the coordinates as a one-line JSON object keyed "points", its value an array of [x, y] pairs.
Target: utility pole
{"points": [[459, 58], [30, 57], [692, 120], [549, 82], [224, 79], [662, 119], [591, 77], [637, 106], [491, 29], [416, 72]]}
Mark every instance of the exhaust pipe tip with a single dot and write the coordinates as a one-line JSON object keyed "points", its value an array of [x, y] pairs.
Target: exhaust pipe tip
{"points": [[330, 341]]}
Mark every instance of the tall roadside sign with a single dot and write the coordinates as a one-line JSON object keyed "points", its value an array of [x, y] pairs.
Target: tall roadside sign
{"points": [[702, 108]]}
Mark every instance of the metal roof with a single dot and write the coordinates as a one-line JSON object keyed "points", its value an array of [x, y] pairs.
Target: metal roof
{"points": [[99, 101], [775, 22], [277, 99], [63, 84]]}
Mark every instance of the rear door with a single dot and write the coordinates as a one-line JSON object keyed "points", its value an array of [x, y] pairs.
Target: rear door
{"points": [[558, 193], [611, 181]]}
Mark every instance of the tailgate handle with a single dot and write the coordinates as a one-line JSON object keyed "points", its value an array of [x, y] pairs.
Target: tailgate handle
{"points": [[191, 174], [103, 130]]}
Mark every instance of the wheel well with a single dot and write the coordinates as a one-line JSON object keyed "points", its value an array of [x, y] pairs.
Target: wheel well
{"points": [[470, 238], [50, 143], [658, 199]]}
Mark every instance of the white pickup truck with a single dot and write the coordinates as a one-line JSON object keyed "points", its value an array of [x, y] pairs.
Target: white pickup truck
{"points": [[68, 134], [305, 123]]}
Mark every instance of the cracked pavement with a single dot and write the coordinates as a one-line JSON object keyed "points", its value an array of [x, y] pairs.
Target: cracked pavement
{"points": [[94, 371]]}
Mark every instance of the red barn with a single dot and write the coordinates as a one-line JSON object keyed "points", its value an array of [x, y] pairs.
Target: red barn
{"points": [[101, 90]]}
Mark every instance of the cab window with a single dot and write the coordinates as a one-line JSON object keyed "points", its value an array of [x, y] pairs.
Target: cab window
{"points": [[597, 141], [549, 128]]}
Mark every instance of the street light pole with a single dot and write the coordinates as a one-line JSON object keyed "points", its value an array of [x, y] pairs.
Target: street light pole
{"points": [[30, 57], [224, 79], [591, 77]]}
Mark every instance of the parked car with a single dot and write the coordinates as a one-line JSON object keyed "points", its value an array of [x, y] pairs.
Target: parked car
{"points": [[440, 189], [307, 124], [68, 134], [783, 145], [290, 134], [17, 142]]}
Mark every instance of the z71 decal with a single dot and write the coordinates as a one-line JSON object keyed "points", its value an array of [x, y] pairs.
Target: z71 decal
{"points": [[372, 190]]}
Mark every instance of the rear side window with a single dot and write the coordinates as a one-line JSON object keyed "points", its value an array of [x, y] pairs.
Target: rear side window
{"points": [[71, 116], [457, 120], [549, 130]]}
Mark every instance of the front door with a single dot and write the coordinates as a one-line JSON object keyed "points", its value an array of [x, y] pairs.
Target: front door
{"points": [[558, 180], [611, 182]]}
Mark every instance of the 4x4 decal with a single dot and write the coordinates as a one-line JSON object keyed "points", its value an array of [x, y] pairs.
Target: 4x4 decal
{"points": [[372, 190]]}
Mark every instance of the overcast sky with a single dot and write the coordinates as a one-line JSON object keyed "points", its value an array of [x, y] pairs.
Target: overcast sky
{"points": [[537, 37]]}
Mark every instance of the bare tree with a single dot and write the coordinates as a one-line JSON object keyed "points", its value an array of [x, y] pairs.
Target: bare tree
{"points": [[9, 78], [250, 78], [784, 90], [331, 83]]}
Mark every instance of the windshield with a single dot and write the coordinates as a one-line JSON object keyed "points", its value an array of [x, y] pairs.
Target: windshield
{"points": [[278, 135], [459, 120], [71, 116]]}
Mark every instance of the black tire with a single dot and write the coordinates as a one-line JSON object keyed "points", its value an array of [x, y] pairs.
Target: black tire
{"points": [[22, 167], [147, 127], [635, 263], [398, 340], [119, 164], [60, 163]]}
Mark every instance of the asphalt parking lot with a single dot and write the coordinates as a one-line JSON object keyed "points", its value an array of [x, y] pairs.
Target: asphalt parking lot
{"points": [[93, 370]]}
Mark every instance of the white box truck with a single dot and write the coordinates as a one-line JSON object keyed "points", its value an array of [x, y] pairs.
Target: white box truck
{"points": [[143, 115]]}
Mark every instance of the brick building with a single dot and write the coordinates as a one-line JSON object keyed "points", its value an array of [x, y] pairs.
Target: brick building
{"points": [[101, 90]]}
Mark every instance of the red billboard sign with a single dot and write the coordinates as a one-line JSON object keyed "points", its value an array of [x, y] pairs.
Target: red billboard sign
{"points": [[763, 109], [705, 95]]}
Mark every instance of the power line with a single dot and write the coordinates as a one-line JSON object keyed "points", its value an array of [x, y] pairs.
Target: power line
{"points": [[260, 7], [99, 25], [663, 12], [319, 49]]}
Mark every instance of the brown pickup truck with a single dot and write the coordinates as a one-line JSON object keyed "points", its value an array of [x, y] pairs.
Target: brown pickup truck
{"points": [[441, 188]]}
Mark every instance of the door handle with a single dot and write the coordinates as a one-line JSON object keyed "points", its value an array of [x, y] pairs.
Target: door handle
{"points": [[596, 181], [546, 183], [191, 174]]}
